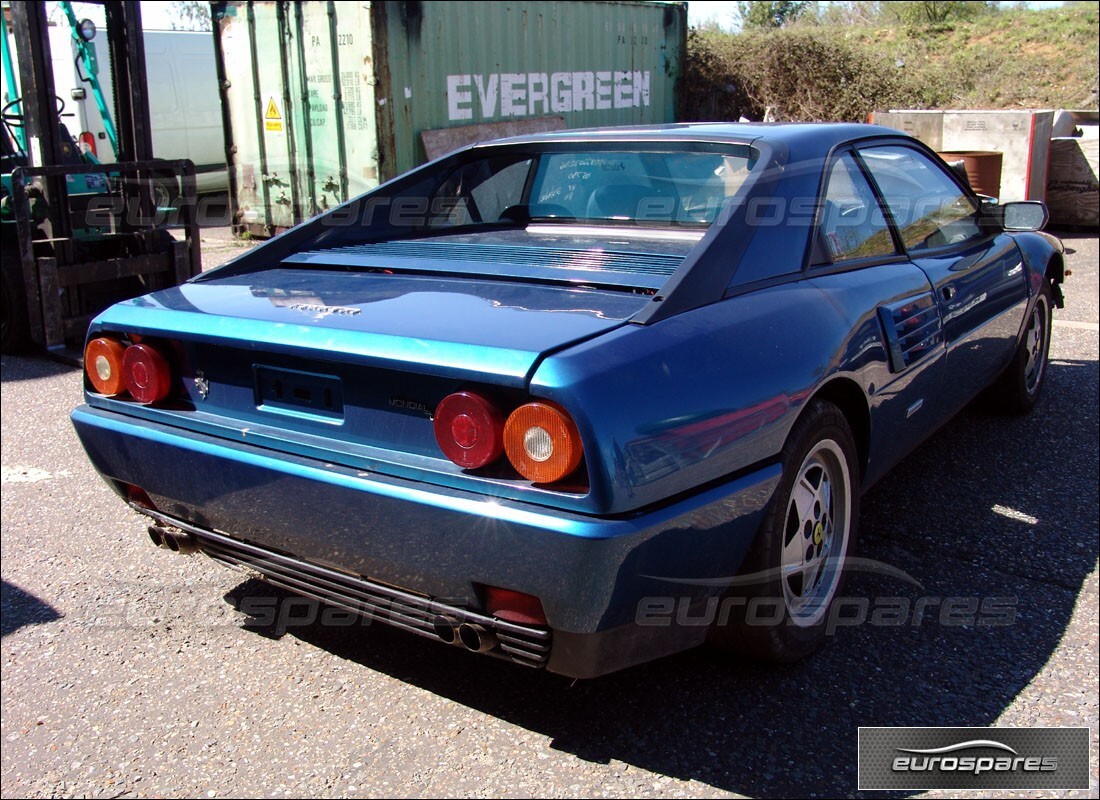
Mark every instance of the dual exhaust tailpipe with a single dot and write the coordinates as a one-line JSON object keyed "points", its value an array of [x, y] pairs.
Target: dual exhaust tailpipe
{"points": [[176, 541], [474, 637]]}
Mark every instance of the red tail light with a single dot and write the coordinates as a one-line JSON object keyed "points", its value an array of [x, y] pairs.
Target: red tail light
{"points": [[523, 609], [542, 442], [147, 374], [469, 429], [87, 142]]}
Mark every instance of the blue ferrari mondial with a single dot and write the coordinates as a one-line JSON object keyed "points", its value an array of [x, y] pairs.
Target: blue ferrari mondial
{"points": [[582, 399]]}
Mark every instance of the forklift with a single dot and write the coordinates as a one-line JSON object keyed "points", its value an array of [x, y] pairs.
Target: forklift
{"points": [[78, 235]]}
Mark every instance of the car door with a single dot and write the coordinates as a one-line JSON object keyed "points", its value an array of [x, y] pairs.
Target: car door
{"points": [[978, 275], [858, 263]]}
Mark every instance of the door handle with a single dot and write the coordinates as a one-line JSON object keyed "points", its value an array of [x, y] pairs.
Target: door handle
{"points": [[949, 292]]}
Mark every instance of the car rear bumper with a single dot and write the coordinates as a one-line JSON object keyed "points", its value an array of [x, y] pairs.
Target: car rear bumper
{"points": [[594, 576]]}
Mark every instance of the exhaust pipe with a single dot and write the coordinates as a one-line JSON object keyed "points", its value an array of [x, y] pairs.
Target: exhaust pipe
{"points": [[182, 543], [476, 638], [446, 628]]}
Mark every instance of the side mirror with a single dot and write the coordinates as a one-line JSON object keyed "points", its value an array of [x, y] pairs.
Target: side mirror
{"points": [[1024, 215]]}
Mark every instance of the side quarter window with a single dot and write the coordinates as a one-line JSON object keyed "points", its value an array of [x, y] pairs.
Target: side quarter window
{"points": [[852, 225], [929, 208]]}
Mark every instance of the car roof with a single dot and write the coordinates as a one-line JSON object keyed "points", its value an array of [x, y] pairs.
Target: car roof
{"points": [[801, 139]]}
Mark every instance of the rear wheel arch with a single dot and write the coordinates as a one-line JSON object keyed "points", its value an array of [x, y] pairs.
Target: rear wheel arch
{"points": [[795, 568], [846, 395]]}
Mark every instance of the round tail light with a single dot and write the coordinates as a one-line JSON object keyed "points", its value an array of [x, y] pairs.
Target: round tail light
{"points": [[469, 429], [103, 365], [147, 373], [542, 442]]}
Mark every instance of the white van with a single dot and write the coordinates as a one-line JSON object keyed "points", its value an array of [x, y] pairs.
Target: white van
{"points": [[184, 105]]}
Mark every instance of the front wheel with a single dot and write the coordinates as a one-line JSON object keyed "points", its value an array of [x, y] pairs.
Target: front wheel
{"points": [[778, 607], [1018, 389]]}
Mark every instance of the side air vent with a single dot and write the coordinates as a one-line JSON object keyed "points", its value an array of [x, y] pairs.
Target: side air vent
{"points": [[913, 329]]}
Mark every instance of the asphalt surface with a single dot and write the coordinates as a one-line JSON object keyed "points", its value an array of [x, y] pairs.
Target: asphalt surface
{"points": [[127, 671]]}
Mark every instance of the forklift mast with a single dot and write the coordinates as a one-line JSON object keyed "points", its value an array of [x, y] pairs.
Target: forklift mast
{"points": [[80, 236], [91, 69]]}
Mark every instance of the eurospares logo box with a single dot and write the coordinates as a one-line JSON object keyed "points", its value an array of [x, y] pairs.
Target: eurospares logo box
{"points": [[973, 758]]}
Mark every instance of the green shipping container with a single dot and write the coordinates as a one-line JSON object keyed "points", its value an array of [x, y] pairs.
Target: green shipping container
{"points": [[324, 100]]}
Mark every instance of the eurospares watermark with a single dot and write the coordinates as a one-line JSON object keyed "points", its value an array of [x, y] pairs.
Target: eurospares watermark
{"points": [[973, 758], [696, 608]]}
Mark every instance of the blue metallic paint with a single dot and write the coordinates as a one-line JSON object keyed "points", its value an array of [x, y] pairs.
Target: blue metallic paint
{"points": [[452, 328], [1043, 257], [982, 291], [429, 539], [683, 399]]}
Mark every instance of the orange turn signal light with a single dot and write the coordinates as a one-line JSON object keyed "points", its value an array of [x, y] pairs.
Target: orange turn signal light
{"points": [[542, 442], [103, 365]]}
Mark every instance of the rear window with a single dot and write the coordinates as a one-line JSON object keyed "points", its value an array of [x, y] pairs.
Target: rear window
{"points": [[677, 188], [667, 188]]}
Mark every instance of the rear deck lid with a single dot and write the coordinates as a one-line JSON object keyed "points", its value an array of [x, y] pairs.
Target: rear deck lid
{"points": [[451, 326]]}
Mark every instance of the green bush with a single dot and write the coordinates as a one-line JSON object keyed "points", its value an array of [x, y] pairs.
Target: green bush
{"points": [[808, 74], [835, 72]]}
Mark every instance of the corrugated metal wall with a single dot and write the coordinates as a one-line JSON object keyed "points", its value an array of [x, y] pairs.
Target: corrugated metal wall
{"points": [[595, 63], [300, 99], [326, 99]]}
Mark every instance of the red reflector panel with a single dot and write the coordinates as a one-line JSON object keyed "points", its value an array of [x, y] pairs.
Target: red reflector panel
{"points": [[512, 606], [469, 429], [103, 365], [138, 496], [147, 373]]}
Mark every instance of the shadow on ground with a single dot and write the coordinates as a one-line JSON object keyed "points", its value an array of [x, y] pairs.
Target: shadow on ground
{"points": [[31, 367], [996, 512], [21, 608]]}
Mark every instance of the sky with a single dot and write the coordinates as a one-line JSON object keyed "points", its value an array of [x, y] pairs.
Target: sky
{"points": [[722, 11], [156, 14]]}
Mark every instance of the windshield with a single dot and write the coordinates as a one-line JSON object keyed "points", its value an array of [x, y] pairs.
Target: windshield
{"points": [[621, 186]]}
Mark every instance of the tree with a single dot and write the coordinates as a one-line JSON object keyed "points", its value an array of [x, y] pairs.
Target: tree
{"points": [[934, 12], [851, 12], [770, 14], [192, 15]]}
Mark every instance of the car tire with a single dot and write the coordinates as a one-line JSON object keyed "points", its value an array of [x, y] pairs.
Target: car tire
{"points": [[14, 327], [779, 606], [1018, 388]]}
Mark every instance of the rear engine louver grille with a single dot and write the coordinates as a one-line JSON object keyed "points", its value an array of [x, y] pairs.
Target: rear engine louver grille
{"points": [[913, 329], [430, 255]]}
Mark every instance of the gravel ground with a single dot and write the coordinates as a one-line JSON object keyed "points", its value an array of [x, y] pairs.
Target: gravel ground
{"points": [[218, 243], [127, 671]]}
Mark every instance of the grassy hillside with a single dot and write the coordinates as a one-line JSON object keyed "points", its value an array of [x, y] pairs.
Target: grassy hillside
{"points": [[1010, 59]]}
